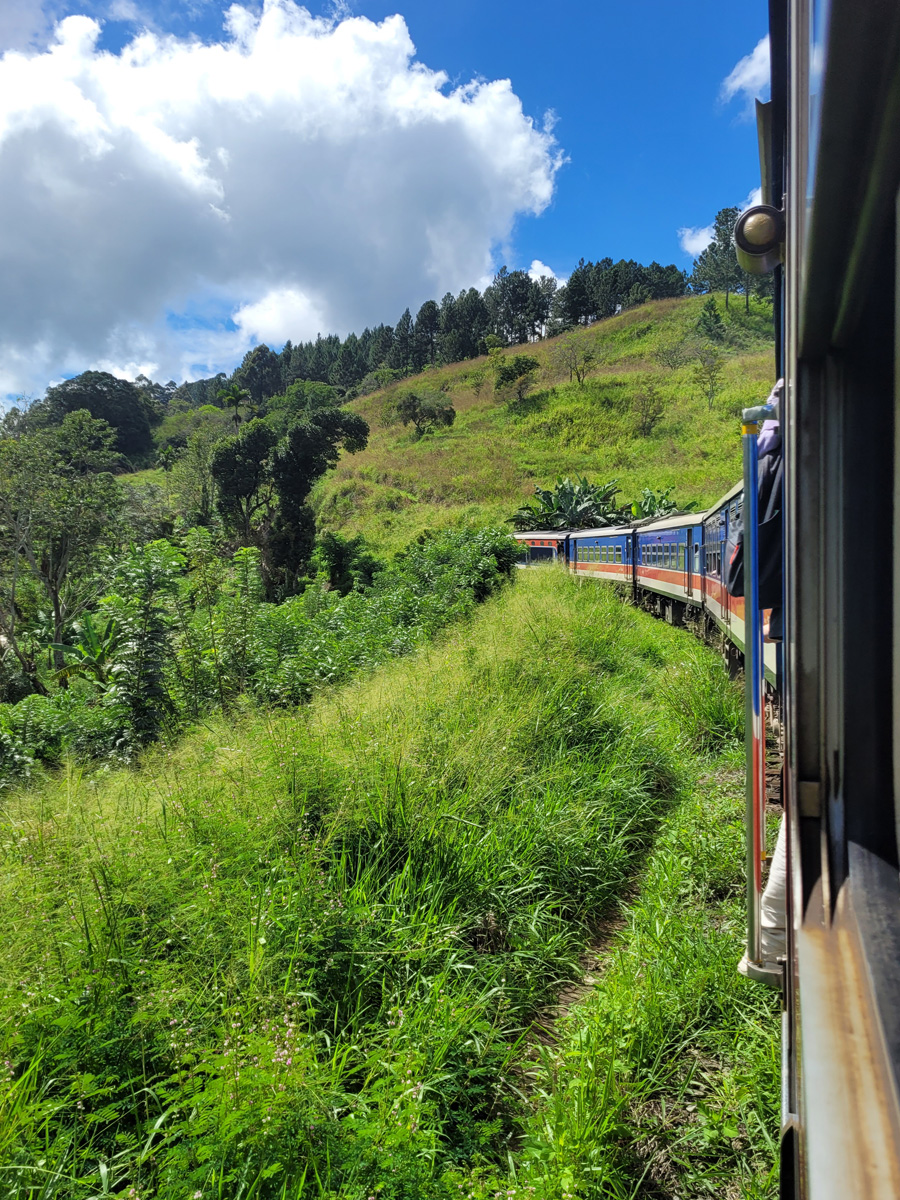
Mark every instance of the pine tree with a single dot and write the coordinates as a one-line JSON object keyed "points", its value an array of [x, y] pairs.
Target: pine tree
{"points": [[427, 326], [710, 322], [400, 357]]}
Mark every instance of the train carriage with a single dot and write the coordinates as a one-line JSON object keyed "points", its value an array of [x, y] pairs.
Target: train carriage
{"points": [[602, 554], [542, 546], [669, 562], [719, 525]]}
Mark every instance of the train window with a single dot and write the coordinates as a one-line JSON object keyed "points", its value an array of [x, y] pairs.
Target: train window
{"points": [[618, 554]]}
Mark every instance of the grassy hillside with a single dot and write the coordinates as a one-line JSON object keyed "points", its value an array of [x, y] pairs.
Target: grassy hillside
{"points": [[488, 462], [302, 953]]}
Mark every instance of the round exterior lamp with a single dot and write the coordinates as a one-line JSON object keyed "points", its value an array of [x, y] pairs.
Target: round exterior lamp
{"points": [[759, 239]]}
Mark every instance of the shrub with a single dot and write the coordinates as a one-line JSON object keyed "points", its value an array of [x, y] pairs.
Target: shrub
{"points": [[426, 409], [514, 375]]}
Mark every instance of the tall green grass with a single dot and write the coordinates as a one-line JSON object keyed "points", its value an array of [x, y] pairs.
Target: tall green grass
{"points": [[302, 954]]}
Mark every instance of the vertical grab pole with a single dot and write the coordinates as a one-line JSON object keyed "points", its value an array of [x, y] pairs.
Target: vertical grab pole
{"points": [[755, 733]]}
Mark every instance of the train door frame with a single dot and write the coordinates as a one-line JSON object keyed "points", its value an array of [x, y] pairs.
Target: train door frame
{"points": [[703, 563], [689, 563], [723, 542]]}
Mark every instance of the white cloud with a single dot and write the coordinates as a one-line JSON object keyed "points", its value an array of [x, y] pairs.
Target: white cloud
{"points": [[693, 241], [538, 269], [303, 174], [750, 77], [280, 314], [25, 23]]}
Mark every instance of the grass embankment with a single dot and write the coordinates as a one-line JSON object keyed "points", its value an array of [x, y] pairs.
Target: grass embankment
{"points": [[488, 462], [300, 954]]}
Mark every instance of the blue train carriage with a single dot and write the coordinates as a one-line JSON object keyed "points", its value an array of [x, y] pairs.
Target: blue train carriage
{"points": [[669, 566], [605, 553], [542, 546], [720, 525]]}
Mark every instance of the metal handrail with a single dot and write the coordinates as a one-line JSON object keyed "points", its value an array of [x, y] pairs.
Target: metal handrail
{"points": [[755, 733]]}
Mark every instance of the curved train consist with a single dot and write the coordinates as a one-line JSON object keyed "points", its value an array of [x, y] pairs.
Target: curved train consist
{"points": [[674, 565], [829, 228]]}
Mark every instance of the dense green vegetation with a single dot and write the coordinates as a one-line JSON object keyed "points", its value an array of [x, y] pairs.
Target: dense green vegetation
{"points": [[181, 633], [308, 954]]}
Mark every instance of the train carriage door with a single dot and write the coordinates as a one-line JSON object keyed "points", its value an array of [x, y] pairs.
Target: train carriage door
{"points": [[702, 548], [725, 601], [688, 564]]}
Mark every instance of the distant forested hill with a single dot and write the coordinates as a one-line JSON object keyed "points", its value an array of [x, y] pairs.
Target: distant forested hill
{"points": [[650, 398]]}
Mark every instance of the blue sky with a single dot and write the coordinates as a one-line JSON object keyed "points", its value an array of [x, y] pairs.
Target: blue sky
{"points": [[635, 88], [166, 225]]}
